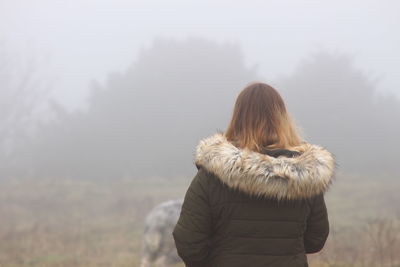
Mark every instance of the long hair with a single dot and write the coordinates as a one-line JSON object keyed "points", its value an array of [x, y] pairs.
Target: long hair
{"points": [[260, 120]]}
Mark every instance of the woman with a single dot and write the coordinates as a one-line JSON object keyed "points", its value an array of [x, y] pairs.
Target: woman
{"points": [[258, 196]]}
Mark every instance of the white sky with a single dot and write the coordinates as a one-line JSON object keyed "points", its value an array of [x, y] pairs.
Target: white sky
{"points": [[83, 40]]}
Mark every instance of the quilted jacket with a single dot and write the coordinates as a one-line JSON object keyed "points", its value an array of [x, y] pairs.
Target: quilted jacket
{"points": [[245, 208]]}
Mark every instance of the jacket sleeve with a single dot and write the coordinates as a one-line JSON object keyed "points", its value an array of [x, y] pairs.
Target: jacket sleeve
{"points": [[317, 229], [193, 230]]}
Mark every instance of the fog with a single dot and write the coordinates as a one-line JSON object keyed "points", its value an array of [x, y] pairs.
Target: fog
{"points": [[65, 50], [83, 40], [100, 101]]}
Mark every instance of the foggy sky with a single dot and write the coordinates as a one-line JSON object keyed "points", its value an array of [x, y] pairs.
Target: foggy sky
{"points": [[80, 40]]}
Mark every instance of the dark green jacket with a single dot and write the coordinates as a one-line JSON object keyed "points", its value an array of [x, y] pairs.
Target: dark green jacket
{"points": [[245, 208]]}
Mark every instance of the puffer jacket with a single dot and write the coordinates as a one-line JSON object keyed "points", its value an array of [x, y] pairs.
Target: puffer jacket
{"points": [[250, 209]]}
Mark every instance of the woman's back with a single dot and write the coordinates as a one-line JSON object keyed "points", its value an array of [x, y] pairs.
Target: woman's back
{"points": [[258, 196], [238, 211]]}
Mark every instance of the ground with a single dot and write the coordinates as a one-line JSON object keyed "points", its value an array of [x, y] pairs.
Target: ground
{"points": [[69, 222]]}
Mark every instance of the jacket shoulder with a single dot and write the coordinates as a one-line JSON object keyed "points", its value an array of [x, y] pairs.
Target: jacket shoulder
{"points": [[204, 177], [207, 183]]}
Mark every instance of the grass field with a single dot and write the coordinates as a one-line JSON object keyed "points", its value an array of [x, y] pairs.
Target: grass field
{"points": [[67, 222]]}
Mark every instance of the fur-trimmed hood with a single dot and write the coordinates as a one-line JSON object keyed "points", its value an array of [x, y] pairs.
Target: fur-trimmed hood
{"points": [[308, 174]]}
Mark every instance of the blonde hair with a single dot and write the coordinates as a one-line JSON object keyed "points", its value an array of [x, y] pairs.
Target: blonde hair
{"points": [[260, 120]]}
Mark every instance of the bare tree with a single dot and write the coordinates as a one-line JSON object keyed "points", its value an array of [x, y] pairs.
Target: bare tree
{"points": [[340, 248], [21, 95], [384, 236]]}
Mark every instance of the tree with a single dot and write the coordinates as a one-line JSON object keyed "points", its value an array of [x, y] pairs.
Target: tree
{"points": [[146, 121], [338, 106], [21, 96]]}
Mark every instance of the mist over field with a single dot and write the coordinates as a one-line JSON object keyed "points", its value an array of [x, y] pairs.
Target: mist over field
{"points": [[102, 104]]}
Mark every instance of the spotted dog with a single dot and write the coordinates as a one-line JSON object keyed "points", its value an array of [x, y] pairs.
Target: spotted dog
{"points": [[158, 246]]}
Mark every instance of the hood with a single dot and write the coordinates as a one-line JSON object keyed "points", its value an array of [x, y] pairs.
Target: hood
{"points": [[308, 174]]}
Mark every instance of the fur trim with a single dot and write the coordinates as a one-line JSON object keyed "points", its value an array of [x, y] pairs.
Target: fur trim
{"points": [[303, 176]]}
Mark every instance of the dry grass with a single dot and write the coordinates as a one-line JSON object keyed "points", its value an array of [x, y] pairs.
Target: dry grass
{"points": [[75, 222], [67, 222]]}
